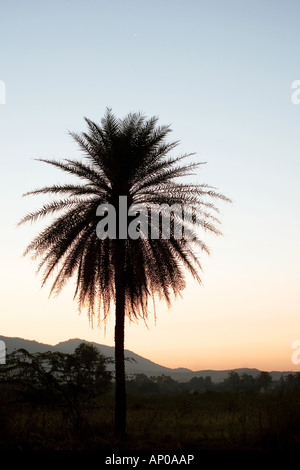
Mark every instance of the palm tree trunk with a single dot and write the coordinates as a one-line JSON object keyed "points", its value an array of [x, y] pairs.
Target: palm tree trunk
{"points": [[120, 385]]}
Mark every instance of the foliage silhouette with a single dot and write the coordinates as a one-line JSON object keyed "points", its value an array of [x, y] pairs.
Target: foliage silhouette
{"points": [[122, 157], [72, 381]]}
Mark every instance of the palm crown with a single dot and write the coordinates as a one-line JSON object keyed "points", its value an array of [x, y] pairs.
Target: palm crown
{"points": [[126, 157]]}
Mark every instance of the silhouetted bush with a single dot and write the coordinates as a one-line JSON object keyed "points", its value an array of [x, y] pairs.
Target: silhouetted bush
{"points": [[72, 382]]}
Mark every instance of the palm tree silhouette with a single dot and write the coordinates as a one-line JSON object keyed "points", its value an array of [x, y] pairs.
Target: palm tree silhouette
{"points": [[122, 157]]}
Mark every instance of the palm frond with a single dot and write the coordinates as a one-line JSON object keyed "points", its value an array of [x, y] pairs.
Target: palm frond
{"points": [[51, 208]]}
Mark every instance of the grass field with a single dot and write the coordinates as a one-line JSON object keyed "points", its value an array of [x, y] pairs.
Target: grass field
{"points": [[178, 422]]}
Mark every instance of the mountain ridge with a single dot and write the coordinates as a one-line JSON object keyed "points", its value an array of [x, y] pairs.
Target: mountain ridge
{"points": [[135, 364]]}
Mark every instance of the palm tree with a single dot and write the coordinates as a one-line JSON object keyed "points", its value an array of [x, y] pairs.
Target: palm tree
{"points": [[122, 157]]}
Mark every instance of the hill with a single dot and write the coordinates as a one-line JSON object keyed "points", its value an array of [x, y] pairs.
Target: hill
{"points": [[135, 364]]}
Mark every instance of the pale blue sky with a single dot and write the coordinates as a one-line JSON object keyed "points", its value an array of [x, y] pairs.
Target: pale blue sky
{"points": [[220, 73]]}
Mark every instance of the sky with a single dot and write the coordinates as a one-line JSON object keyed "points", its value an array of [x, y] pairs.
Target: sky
{"points": [[220, 73]]}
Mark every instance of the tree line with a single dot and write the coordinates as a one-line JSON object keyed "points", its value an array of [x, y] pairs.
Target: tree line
{"points": [[76, 381], [263, 382]]}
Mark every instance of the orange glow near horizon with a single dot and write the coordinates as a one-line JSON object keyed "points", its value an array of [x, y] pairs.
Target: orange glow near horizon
{"points": [[248, 320], [192, 334]]}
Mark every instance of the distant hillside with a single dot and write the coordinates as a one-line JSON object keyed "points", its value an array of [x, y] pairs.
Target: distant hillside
{"points": [[134, 365]]}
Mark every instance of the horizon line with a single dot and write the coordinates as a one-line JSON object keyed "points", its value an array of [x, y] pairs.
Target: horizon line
{"points": [[145, 358]]}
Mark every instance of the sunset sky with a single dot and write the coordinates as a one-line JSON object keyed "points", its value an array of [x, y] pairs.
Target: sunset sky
{"points": [[220, 72]]}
